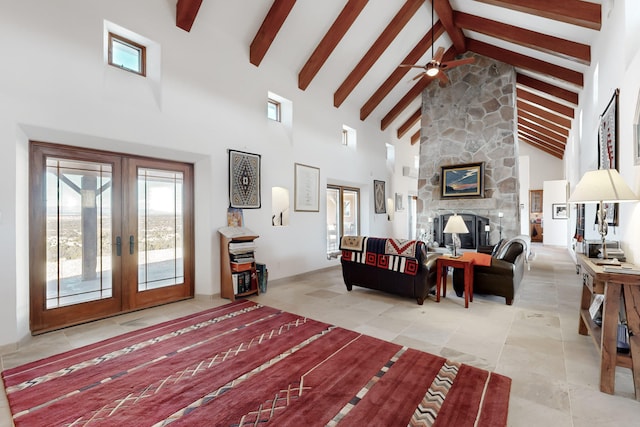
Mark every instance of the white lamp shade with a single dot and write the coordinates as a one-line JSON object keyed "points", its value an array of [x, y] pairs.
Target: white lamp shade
{"points": [[455, 224], [602, 185]]}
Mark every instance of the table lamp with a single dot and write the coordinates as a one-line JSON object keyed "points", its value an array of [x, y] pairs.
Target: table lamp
{"points": [[455, 225], [602, 186]]}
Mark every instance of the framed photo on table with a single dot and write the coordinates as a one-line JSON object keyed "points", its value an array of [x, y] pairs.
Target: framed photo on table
{"points": [[306, 188]]}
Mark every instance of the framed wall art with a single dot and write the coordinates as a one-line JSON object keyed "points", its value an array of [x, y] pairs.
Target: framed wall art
{"points": [[636, 134], [559, 211], [306, 188], [379, 198], [608, 135], [244, 180], [462, 180]]}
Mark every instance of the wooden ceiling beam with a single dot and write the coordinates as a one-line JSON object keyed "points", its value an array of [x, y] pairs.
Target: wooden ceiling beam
{"points": [[539, 85], [415, 137], [338, 29], [377, 48], [269, 29], [186, 12], [526, 62], [542, 42], [548, 115], [544, 102], [408, 124], [542, 147], [445, 15], [532, 137], [540, 137], [413, 93], [575, 12], [538, 143], [394, 78], [541, 130], [544, 123]]}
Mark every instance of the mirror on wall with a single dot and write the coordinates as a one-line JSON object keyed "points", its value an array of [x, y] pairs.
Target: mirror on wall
{"points": [[279, 206]]}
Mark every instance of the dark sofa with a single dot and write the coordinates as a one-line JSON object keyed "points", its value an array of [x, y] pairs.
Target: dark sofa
{"points": [[503, 276], [401, 267]]}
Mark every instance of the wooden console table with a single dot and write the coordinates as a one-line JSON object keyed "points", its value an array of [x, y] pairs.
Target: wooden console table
{"points": [[444, 262], [615, 287]]}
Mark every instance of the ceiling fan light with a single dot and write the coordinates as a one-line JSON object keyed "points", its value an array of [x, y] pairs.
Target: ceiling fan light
{"points": [[432, 72]]}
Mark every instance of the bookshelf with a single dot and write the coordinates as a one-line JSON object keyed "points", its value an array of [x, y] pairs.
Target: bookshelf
{"points": [[238, 276]]}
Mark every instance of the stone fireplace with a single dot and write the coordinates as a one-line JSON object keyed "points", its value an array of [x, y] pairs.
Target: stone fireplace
{"points": [[472, 120]]}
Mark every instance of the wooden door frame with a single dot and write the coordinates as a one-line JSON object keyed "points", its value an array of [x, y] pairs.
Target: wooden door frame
{"points": [[43, 319]]}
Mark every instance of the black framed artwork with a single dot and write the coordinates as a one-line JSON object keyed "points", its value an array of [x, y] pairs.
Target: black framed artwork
{"points": [[462, 180], [244, 180]]}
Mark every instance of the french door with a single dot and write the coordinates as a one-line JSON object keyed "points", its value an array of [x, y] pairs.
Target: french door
{"points": [[109, 233]]}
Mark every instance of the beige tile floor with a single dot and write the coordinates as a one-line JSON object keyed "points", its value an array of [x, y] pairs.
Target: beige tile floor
{"points": [[535, 341]]}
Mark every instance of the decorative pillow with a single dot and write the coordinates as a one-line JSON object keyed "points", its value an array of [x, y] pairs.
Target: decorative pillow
{"points": [[401, 247], [352, 243]]}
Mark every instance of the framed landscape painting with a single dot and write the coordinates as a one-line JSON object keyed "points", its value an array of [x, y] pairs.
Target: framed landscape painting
{"points": [[462, 180]]}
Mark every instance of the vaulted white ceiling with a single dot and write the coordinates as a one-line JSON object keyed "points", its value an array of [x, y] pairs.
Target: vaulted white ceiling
{"points": [[356, 47]]}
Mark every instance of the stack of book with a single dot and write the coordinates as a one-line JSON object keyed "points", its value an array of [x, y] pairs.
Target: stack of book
{"points": [[242, 265]]}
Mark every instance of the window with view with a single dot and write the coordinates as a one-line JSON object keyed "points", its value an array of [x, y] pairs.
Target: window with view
{"points": [[273, 110], [343, 215], [127, 55]]}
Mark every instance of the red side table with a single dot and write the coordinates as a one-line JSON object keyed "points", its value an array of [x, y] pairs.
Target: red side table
{"points": [[442, 264]]}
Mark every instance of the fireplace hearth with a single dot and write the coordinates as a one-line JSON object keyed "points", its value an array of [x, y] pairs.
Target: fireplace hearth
{"points": [[475, 238]]}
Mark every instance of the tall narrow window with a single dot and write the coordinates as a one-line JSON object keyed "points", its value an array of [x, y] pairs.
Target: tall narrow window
{"points": [[273, 110], [126, 54], [343, 215]]}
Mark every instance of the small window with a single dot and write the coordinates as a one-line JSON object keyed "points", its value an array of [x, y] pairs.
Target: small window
{"points": [[348, 136], [127, 55], [273, 110]]}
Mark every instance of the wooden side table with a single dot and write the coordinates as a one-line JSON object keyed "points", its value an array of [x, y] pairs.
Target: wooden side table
{"points": [[597, 281], [444, 262]]}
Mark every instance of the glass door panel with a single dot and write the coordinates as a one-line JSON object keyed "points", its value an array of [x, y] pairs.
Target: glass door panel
{"points": [[333, 219], [78, 232], [350, 214], [160, 229]]}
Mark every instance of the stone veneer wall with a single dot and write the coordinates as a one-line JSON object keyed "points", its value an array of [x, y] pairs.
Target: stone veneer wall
{"points": [[471, 120]]}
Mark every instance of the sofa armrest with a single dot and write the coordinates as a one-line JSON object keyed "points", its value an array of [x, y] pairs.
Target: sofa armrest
{"points": [[498, 267]]}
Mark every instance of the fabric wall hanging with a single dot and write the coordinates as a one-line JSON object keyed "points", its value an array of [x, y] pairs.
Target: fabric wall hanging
{"points": [[244, 180]]}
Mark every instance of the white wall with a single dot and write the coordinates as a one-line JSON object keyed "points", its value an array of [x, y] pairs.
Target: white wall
{"points": [[616, 57], [555, 230], [205, 99]]}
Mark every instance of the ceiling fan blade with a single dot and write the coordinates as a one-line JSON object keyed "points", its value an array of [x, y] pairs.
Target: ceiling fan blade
{"points": [[456, 62], [439, 54], [411, 66], [419, 76], [443, 78]]}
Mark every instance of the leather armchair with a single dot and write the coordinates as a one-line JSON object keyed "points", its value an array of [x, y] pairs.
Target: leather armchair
{"points": [[503, 276]]}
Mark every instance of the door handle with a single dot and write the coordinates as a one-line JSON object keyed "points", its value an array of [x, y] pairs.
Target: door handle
{"points": [[118, 246], [131, 244]]}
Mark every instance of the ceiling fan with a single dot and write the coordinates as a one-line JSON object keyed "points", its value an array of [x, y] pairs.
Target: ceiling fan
{"points": [[435, 67]]}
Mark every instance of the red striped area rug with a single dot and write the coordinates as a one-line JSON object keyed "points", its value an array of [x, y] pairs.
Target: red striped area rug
{"points": [[245, 364]]}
